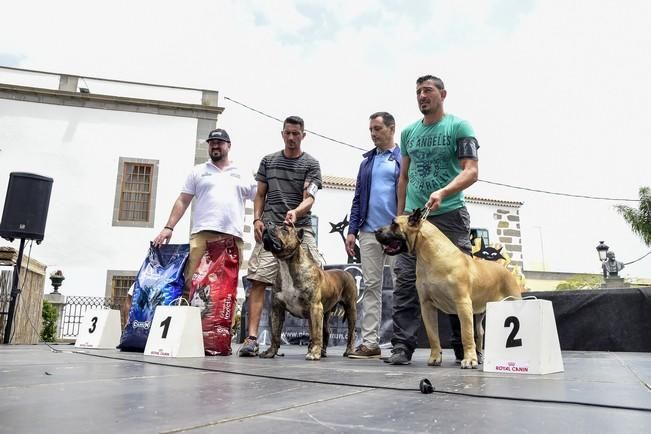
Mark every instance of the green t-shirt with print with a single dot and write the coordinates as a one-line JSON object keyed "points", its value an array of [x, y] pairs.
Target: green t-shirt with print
{"points": [[433, 161]]}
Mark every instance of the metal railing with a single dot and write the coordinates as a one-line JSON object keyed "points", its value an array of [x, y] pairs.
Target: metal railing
{"points": [[6, 278], [75, 308]]}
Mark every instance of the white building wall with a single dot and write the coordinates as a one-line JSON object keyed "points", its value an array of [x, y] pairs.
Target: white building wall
{"points": [[503, 224], [79, 148], [481, 216], [331, 206]]}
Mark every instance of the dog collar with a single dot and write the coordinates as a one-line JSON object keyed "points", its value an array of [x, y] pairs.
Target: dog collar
{"points": [[293, 252]]}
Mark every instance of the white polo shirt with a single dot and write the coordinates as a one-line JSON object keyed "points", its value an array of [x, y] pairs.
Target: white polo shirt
{"points": [[219, 197]]}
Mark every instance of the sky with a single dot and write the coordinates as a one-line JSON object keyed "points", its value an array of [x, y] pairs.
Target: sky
{"points": [[557, 92]]}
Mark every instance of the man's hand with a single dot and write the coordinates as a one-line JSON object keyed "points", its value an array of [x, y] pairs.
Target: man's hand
{"points": [[258, 227], [163, 238], [434, 201], [350, 245], [290, 218]]}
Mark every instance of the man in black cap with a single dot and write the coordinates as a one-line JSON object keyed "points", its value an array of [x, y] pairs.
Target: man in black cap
{"points": [[219, 190]]}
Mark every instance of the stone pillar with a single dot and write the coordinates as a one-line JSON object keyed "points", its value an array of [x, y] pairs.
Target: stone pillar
{"points": [[613, 282], [57, 300], [509, 235], [204, 126], [209, 97], [68, 83]]}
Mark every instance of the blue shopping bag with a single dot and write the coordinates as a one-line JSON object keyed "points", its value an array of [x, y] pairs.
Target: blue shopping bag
{"points": [[159, 282]]}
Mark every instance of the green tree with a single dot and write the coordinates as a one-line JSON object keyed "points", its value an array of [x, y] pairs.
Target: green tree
{"points": [[50, 316], [582, 281], [639, 219]]}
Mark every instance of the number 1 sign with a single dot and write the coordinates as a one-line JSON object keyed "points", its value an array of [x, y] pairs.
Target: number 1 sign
{"points": [[100, 328], [521, 338], [175, 332]]}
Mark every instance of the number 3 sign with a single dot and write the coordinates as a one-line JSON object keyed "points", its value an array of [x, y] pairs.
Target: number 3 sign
{"points": [[175, 332], [521, 338], [100, 328]]}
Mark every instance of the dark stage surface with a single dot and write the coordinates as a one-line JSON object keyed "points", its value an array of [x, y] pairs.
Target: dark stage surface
{"points": [[74, 391]]}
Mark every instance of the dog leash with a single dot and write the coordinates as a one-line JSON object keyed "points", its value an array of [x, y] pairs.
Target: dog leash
{"points": [[294, 227], [426, 213]]}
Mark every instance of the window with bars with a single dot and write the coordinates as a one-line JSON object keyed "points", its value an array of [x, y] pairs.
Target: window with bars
{"points": [[135, 192], [314, 221], [121, 285], [479, 233], [118, 284]]}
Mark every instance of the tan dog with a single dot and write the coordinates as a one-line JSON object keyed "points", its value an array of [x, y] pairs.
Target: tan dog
{"points": [[447, 279], [305, 290]]}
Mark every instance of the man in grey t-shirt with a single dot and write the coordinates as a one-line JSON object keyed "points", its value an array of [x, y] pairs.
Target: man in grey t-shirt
{"points": [[288, 181]]}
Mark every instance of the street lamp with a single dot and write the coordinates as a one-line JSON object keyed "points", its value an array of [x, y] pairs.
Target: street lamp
{"points": [[602, 249]]}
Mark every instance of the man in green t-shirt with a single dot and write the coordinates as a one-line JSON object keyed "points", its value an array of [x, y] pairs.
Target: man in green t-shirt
{"points": [[439, 161]]}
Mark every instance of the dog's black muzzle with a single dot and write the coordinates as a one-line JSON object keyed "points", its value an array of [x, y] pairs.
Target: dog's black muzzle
{"points": [[270, 240], [392, 244]]}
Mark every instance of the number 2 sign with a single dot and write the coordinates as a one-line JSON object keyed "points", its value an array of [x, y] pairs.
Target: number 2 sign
{"points": [[521, 338]]}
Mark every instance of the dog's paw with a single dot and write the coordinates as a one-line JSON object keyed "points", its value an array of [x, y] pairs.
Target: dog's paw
{"points": [[348, 352], [435, 358], [313, 356], [434, 361], [324, 353], [469, 364], [269, 354]]}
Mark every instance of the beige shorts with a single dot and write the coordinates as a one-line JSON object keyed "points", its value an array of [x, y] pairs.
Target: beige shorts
{"points": [[263, 266]]}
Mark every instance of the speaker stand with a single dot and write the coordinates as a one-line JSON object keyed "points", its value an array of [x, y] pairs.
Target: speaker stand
{"points": [[14, 292]]}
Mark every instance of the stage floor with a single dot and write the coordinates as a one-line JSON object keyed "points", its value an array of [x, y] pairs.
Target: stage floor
{"points": [[84, 391]]}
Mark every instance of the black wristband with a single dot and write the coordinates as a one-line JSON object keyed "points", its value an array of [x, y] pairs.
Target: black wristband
{"points": [[167, 227], [257, 220]]}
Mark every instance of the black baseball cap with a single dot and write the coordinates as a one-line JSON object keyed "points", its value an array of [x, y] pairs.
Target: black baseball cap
{"points": [[219, 134]]}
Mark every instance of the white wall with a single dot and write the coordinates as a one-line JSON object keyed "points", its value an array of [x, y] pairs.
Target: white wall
{"points": [[481, 217], [79, 148], [332, 206]]}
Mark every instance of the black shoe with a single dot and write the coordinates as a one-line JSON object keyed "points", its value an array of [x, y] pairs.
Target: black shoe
{"points": [[458, 354], [398, 357]]}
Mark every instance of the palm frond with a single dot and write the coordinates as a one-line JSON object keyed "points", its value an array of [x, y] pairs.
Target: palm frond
{"points": [[639, 219]]}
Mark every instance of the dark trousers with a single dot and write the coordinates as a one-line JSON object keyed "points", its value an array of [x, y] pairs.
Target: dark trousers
{"points": [[406, 307]]}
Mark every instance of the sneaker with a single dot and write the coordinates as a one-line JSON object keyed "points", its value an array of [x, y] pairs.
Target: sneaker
{"points": [[364, 352], [398, 357], [249, 348]]}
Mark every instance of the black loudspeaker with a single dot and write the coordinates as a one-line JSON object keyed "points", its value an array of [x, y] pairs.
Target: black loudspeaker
{"points": [[26, 206]]}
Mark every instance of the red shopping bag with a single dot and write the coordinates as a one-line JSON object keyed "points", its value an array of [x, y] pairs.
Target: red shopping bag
{"points": [[214, 291]]}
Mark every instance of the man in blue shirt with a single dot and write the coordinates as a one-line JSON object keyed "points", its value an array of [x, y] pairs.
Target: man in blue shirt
{"points": [[374, 206]]}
